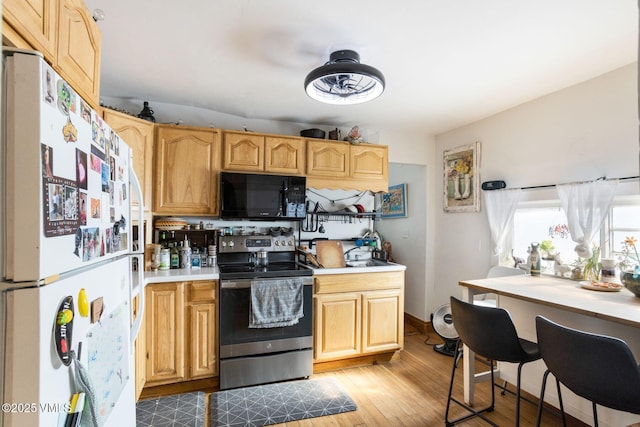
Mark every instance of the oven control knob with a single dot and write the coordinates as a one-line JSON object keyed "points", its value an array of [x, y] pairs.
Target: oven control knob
{"points": [[290, 243], [277, 242], [231, 244], [224, 244]]}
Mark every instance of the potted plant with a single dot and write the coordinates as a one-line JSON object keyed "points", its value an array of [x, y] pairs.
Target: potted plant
{"points": [[546, 248], [630, 265], [591, 266]]}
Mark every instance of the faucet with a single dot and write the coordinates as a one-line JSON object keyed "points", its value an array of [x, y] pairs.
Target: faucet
{"points": [[346, 254]]}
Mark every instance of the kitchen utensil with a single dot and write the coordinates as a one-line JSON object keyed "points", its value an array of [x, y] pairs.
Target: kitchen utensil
{"points": [[334, 134], [312, 133], [330, 253], [311, 221]]}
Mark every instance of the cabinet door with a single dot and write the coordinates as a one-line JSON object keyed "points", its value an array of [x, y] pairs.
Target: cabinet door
{"points": [[382, 320], [338, 326], [138, 134], [327, 159], [165, 333], [284, 155], [243, 152], [78, 56], [35, 21], [187, 171], [140, 351], [202, 340], [369, 161]]}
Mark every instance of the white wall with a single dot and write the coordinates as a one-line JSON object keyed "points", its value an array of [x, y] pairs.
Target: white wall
{"points": [[408, 236], [580, 133]]}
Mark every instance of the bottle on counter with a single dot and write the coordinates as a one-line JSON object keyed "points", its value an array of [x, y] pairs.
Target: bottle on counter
{"points": [[185, 254], [175, 255], [165, 259], [163, 240]]}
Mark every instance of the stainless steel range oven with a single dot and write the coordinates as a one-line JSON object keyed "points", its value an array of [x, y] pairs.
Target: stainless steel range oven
{"points": [[250, 355]]}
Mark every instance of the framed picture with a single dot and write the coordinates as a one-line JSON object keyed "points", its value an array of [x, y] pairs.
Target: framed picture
{"points": [[394, 202], [462, 179]]}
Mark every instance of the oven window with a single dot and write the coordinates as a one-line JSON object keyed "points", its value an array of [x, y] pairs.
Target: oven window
{"points": [[234, 319]]}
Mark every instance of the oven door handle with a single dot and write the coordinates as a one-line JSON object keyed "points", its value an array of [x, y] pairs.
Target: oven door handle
{"points": [[246, 283]]}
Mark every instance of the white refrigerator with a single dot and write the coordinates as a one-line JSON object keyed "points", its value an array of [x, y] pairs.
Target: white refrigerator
{"points": [[67, 255]]}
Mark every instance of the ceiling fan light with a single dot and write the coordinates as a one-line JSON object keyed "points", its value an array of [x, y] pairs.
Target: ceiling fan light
{"points": [[344, 80]]}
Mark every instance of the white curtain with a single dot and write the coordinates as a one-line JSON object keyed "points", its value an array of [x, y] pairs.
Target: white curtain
{"points": [[586, 205], [500, 207]]}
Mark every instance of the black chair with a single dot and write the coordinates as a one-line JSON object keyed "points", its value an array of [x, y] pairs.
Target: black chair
{"points": [[489, 332], [598, 368]]}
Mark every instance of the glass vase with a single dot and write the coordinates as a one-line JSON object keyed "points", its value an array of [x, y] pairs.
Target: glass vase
{"points": [[631, 283]]}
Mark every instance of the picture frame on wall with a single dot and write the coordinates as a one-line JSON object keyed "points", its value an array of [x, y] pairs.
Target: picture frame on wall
{"points": [[462, 178], [394, 202]]}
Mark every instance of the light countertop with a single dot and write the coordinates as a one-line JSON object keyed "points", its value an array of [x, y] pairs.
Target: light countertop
{"points": [[391, 266], [621, 307], [181, 274], [212, 273]]}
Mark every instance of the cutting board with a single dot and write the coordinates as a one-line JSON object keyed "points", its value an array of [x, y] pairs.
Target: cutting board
{"points": [[330, 253]]}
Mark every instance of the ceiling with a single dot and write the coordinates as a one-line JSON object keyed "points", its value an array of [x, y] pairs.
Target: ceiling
{"points": [[446, 63]]}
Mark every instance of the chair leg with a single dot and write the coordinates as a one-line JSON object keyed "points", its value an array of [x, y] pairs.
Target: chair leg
{"points": [[595, 414], [541, 401], [518, 394], [472, 412], [564, 417]]}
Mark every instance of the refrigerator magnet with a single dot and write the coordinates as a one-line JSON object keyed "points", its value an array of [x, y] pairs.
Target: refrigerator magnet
{"points": [[63, 329]]}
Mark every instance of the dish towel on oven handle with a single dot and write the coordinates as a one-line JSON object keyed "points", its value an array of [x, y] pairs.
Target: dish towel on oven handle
{"points": [[276, 303]]}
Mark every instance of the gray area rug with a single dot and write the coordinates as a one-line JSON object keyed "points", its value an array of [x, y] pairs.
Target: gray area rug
{"points": [[180, 410], [278, 403]]}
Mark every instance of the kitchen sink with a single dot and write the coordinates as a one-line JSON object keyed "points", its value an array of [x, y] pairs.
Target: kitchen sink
{"points": [[367, 263]]}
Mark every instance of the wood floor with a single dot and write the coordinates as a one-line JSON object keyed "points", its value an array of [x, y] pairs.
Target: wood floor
{"points": [[412, 391]]}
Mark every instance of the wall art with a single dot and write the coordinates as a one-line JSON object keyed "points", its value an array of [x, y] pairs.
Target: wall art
{"points": [[462, 178]]}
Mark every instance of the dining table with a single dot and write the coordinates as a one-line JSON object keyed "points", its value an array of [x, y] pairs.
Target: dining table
{"points": [[611, 311]]}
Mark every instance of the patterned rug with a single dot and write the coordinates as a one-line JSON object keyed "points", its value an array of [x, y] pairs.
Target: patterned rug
{"points": [[278, 403], [180, 410]]}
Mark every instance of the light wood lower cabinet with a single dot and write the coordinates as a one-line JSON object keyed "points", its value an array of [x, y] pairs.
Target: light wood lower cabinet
{"points": [[181, 332], [140, 351], [358, 314], [165, 333]]}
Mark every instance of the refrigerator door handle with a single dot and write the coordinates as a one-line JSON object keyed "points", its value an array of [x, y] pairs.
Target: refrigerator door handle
{"points": [[139, 254], [133, 179], [137, 324]]}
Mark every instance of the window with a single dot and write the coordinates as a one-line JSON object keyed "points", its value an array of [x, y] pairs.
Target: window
{"points": [[548, 222]]}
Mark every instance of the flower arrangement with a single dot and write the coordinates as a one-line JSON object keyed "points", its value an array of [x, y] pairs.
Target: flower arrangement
{"points": [[630, 260], [465, 165]]}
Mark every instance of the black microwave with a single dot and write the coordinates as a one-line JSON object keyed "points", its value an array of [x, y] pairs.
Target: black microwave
{"points": [[259, 196]]}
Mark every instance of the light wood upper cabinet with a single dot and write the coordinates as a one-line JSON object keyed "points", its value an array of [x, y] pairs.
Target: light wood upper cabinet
{"points": [[165, 333], [35, 21], [339, 165], [78, 55], [284, 155], [138, 134], [368, 161], [187, 170], [327, 159], [263, 153], [65, 33], [243, 151]]}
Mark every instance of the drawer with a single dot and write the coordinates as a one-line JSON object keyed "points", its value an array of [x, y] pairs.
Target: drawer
{"points": [[201, 291]]}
